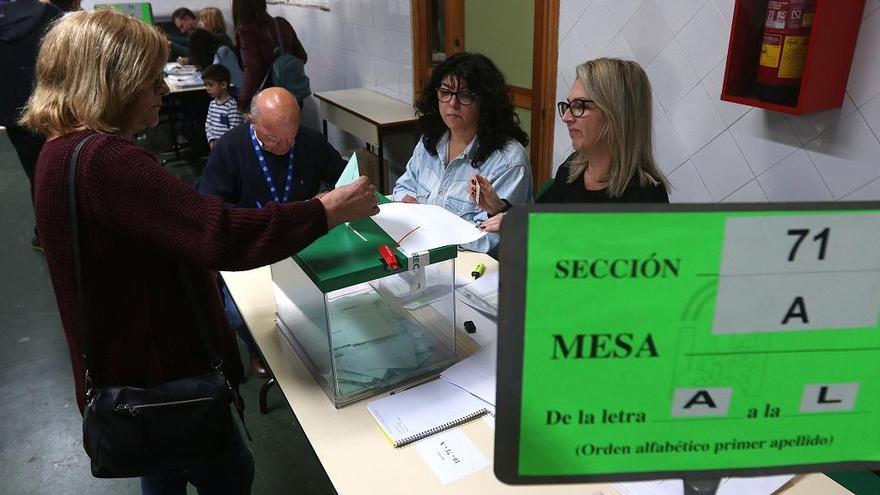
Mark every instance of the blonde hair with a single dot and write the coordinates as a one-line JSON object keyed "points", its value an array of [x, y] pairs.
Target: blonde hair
{"points": [[212, 20], [621, 91], [90, 69]]}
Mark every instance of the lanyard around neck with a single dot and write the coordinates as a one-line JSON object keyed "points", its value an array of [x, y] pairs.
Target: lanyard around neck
{"points": [[265, 168]]}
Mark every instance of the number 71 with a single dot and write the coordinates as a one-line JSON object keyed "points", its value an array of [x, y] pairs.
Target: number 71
{"points": [[802, 234]]}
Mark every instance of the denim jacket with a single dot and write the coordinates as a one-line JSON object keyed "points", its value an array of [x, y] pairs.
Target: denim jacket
{"points": [[427, 180]]}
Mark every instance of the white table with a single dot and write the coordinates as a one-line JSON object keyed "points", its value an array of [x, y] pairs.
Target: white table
{"points": [[351, 447]]}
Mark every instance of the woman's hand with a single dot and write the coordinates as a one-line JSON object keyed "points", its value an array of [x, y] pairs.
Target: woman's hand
{"points": [[487, 199], [493, 224], [350, 202], [409, 199]]}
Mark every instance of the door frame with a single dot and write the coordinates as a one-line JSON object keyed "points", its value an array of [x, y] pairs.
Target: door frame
{"points": [[539, 99]]}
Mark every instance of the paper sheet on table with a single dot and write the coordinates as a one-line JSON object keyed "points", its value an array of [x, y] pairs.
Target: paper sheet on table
{"points": [[350, 173], [764, 485], [451, 455], [475, 373], [437, 227], [482, 294]]}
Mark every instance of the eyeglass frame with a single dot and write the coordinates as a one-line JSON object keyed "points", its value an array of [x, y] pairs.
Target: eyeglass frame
{"points": [[455, 94], [565, 106], [271, 140]]}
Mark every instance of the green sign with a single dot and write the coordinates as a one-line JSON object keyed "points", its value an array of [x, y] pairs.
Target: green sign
{"points": [[138, 10], [688, 341]]}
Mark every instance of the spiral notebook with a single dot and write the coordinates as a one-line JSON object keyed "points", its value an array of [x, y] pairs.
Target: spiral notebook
{"points": [[422, 411]]}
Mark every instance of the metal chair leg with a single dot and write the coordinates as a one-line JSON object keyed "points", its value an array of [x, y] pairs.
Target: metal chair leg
{"points": [[264, 390]]}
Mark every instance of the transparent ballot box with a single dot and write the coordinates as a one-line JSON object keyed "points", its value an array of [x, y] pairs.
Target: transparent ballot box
{"points": [[359, 326]]}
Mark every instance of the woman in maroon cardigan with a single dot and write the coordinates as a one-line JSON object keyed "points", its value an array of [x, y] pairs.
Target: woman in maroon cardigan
{"points": [[256, 41], [137, 222]]}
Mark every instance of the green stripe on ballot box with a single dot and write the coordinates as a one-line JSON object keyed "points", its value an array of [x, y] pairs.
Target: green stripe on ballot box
{"points": [[640, 342]]}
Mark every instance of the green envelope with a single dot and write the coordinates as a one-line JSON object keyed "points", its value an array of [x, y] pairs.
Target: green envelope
{"points": [[351, 172]]}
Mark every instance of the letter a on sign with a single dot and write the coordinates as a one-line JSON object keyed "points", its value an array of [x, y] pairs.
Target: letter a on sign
{"points": [[797, 310], [701, 402]]}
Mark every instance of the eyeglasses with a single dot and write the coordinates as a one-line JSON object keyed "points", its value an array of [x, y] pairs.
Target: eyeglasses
{"points": [[271, 140], [464, 97], [274, 141], [577, 107]]}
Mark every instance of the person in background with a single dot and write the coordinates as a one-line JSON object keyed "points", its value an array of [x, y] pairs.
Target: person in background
{"points": [[138, 223], [223, 112], [256, 41], [185, 21], [22, 25], [206, 49], [211, 19], [67, 5], [468, 127], [300, 163], [608, 115]]}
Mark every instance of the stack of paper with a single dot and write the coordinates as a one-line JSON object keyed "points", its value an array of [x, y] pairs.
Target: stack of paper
{"points": [[183, 76]]}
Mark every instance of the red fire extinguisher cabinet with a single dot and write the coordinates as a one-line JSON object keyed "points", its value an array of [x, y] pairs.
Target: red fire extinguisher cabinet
{"points": [[829, 55]]}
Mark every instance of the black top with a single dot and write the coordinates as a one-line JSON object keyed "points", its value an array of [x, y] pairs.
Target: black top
{"points": [[561, 191], [22, 25], [232, 172]]}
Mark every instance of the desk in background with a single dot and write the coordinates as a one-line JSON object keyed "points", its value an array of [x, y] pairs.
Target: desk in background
{"points": [[367, 115], [173, 105], [348, 442]]}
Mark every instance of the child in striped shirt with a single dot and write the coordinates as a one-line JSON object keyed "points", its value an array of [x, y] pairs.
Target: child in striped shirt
{"points": [[223, 111]]}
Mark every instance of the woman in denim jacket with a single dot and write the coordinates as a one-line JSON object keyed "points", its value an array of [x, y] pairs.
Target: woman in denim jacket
{"points": [[468, 128]]}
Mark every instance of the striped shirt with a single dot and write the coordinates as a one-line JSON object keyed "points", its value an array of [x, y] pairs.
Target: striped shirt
{"points": [[221, 117]]}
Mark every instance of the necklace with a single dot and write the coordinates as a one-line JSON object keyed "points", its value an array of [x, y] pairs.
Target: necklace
{"points": [[597, 180]]}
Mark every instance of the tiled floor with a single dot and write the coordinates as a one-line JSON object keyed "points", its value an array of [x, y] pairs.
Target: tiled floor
{"points": [[40, 429]]}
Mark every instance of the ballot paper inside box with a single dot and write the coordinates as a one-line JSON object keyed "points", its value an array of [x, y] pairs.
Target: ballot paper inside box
{"points": [[361, 327]]}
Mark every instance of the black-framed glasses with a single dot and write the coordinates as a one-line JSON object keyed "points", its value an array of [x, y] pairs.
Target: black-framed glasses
{"points": [[464, 97], [577, 107]]}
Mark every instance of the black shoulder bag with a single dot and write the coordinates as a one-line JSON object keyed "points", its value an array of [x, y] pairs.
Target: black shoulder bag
{"points": [[131, 431]]}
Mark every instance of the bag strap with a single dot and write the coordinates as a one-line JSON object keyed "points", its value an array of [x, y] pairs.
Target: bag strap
{"points": [[216, 362], [278, 36], [280, 47], [74, 234]]}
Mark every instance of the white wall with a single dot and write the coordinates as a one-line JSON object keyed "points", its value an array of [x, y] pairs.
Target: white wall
{"points": [[717, 151], [357, 44]]}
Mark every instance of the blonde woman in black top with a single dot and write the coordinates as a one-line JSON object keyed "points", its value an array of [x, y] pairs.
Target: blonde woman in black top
{"points": [[608, 116]]}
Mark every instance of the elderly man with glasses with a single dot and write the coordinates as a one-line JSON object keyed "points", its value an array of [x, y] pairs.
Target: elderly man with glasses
{"points": [[270, 158]]}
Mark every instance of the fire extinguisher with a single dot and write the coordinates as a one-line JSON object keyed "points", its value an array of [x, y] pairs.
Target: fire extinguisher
{"points": [[784, 50]]}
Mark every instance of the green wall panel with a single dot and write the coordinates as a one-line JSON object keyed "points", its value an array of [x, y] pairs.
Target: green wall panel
{"points": [[503, 30]]}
